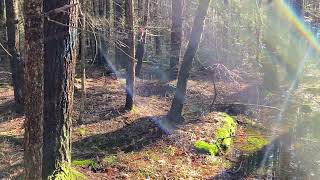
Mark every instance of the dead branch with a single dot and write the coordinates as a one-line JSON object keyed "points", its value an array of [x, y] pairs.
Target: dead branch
{"points": [[5, 50]]}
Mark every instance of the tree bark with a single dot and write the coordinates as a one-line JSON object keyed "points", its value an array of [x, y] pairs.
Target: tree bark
{"points": [[176, 37], [142, 39], [34, 89], [16, 63], [2, 7], [130, 51], [118, 17], [60, 56], [83, 63], [194, 41]]}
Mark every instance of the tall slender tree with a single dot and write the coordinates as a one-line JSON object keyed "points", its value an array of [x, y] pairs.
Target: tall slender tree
{"points": [[34, 88], [118, 26], [142, 38], [176, 37], [2, 10], [194, 41], [59, 69], [130, 52], [16, 63], [2, 28], [82, 42]]}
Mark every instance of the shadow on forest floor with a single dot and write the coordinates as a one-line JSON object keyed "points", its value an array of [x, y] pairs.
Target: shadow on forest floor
{"points": [[11, 139], [7, 111], [133, 137]]}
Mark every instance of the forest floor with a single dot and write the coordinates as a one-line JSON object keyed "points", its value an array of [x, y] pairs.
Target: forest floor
{"points": [[110, 143]]}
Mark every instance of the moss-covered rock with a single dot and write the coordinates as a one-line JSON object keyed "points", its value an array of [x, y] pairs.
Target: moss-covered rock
{"points": [[84, 163], [223, 137], [66, 172], [225, 133], [205, 147], [254, 143]]}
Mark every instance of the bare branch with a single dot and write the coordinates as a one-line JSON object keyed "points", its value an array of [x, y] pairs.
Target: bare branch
{"points": [[5, 50]]}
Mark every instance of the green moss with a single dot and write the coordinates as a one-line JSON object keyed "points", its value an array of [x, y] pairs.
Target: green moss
{"points": [[84, 163], [224, 134], [223, 137], [254, 143], [110, 160], [205, 147], [82, 131], [66, 172]]}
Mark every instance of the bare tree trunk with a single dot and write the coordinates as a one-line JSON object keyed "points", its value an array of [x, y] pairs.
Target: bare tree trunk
{"points": [[194, 41], [156, 19], [2, 7], [83, 63], [2, 30], [59, 70], [34, 89], [130, 50], [16, 63], [118, 17], [142, 39], [176, 37]]}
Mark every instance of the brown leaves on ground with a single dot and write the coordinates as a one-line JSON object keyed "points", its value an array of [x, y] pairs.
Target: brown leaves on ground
{"points": [[137, 139]]}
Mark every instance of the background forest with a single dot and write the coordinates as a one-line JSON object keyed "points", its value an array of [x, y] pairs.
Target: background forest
{"points": [[159, 89]]}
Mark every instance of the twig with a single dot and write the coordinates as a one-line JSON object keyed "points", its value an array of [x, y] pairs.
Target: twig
{"points": [[5, 50]]}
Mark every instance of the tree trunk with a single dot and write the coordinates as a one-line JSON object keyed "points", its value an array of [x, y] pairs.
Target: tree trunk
{"points": [[60, 55], [194, 41], [2, 30], [130, 50], [156, 20], [157, 44], [118, 17], [176, 36], [142, 39], [34, 89], [82, 39], [16, 63], [2, 6]]}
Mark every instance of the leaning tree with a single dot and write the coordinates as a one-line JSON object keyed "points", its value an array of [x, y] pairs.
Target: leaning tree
{"points": [[195, 37]]}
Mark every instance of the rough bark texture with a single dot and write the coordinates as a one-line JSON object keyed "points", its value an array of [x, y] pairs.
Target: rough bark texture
{"points": [[195, 37], [34, 89], [176, 35], [142, 38], [60, 55], [130, 50], [16, 63]]}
